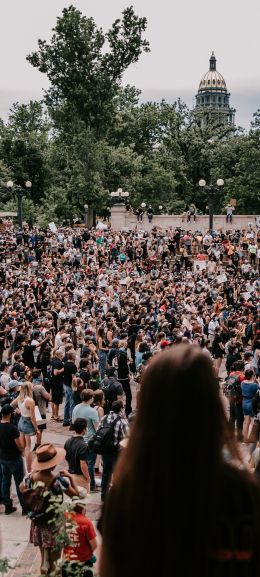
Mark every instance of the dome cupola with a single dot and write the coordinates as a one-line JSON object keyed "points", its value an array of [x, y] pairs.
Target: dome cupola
{"points": [[212, 80], [212, 98]]}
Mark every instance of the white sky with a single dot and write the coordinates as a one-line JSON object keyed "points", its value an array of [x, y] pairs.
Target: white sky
{"points": [[182, 35]]}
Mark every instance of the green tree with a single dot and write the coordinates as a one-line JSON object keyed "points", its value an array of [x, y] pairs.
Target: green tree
{"points": [[23, 146], [85, 66], [84, 77]]}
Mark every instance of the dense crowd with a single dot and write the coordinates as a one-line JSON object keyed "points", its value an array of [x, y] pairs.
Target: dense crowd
{"points": [[81, 314]]}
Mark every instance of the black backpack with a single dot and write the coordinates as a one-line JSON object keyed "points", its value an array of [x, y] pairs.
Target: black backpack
{"points": [[109, 395], [232, 387], [102, 443]]}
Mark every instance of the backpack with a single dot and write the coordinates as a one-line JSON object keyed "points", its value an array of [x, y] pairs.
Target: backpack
{"points": [[107, 388], [232, 387], [102, 443], [36, 501]]}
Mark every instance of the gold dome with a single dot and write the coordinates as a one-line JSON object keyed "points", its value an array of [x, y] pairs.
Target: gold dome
{"points": [[212, 80]]}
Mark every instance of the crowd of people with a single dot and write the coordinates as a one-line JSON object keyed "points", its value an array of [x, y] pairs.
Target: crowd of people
{"points": [[83, 312]]}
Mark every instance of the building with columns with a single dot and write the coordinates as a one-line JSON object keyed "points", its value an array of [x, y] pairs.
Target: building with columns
{"points": [[212, 99]]}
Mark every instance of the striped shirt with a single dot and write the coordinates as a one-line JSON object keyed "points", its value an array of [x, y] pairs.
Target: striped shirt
{"points": [[121, 427]]}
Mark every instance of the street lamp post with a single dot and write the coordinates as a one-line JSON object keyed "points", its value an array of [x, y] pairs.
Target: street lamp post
{"points": [[211, 191], [119, 194], [18, 189]]}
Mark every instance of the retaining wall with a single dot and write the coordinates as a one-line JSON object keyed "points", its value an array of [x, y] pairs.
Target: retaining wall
{"points": [[121, 218]]}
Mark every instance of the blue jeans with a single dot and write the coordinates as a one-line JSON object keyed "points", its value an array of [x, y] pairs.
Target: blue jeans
{"points": [[91, 459], [102, 363], [11, 468], [69, 405]]}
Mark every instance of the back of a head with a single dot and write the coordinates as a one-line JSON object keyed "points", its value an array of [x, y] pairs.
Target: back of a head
{"points": [[71, 355], [174, 454], [191, 388], [238, 366], [249, 374], [26, 390], [79, 425], [111, 371], [86, 395], [117, 406]]}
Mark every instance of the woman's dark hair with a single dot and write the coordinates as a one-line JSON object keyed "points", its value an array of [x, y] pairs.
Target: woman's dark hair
{"points": [[83, 363], [143, 347], [101, 332], [160, 512], [36, 372], [98, 397], [249, 374], [80, 384]]}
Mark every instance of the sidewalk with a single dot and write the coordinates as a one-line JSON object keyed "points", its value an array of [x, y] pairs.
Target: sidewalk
{"points": [[24, 558]]}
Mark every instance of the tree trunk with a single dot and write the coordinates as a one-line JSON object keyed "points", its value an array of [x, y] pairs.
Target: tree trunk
{"points": [[90, 217]]}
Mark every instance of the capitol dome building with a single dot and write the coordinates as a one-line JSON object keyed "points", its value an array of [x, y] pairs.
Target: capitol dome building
{"points": [[212, 99]]}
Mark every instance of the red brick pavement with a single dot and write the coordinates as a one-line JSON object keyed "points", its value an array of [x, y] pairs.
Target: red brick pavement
{"points": [[27, 564]]}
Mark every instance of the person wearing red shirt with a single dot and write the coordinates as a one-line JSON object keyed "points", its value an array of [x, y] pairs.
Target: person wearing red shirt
{"points": [[82, 537]]}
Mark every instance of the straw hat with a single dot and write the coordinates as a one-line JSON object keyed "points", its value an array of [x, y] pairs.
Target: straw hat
{"points": [[47, 457]]}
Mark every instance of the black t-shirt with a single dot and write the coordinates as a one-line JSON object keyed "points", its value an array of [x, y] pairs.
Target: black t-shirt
{"points": [[57, 364], [76, 451], [27, 355], [123, 368], [216, 349], [70, 369], [8, 448], [16, 368]]}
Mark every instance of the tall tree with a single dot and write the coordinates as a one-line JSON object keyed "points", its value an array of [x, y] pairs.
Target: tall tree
{"points": [[84, 76]]}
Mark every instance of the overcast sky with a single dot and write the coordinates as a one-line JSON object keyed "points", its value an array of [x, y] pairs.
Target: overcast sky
{"points": [[182, 34]]}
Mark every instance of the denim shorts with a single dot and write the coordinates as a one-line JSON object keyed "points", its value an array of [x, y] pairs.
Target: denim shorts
{"points": [[25, 426]]}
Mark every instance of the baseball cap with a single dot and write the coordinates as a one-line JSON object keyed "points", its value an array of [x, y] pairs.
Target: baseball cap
{"points": [[164, 344], [12, 384]]}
